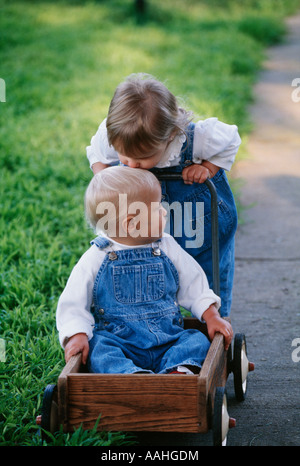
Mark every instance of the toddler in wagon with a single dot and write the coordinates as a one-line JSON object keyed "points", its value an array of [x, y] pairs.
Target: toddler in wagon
{"points": [[121, 305]]}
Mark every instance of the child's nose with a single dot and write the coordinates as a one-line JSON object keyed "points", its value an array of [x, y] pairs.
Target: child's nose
{"points": [[133, 164]]}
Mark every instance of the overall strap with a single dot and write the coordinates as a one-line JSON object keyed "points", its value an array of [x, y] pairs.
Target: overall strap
{"points": [[101, 242], [105, 244], [187, 148], [156, 251]]}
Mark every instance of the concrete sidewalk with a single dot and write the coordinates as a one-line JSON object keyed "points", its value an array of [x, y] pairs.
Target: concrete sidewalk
{"points": [[266, 303]]}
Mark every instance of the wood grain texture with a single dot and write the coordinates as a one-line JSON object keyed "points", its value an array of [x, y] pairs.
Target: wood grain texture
{"points": [[134, 402], [72, 366]]}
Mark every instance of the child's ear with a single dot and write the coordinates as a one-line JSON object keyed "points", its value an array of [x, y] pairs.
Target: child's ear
{"points": [[129, 224], [172, 135]]}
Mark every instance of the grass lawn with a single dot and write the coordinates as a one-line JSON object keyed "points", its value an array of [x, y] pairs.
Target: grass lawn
{"points": [[61, 61]]}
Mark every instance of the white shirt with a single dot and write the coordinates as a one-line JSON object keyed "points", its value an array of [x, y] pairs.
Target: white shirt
{"points": [[214, 141], [73, 310]]}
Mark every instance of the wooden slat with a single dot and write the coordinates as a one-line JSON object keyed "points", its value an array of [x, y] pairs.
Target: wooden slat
{"points": [[72, 366], [134, 402], [213, 374]]}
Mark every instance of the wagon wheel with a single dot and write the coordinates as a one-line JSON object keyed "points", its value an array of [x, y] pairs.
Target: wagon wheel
{"points": [[221, 420], [241, 366], [49, 417]]}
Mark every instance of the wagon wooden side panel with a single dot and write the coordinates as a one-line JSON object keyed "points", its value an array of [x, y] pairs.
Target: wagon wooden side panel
{"points": [[134, 402], [141, 402]]}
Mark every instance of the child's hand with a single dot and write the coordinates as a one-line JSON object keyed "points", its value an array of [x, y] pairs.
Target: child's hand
{"points": [[215, 323], [199, 173], [195, 174], [77, 344]]}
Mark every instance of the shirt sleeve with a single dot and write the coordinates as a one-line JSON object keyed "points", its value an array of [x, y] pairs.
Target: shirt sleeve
{"points": [[99, 150], [73, 309], [194, 293], [216, 142]]}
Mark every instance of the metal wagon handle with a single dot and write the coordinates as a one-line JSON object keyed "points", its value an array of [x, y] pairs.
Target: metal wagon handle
{"points": [[214, 224]]}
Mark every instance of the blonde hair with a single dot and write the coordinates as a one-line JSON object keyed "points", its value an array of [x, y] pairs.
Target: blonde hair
{"points": [[142, 115], [106, 186]]}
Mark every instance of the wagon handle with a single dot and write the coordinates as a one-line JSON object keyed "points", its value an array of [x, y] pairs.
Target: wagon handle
{"points": [[214, 224]]}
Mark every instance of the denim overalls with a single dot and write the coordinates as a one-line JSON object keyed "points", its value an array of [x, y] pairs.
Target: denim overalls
{"points": [[177, 191], [138, 323]]}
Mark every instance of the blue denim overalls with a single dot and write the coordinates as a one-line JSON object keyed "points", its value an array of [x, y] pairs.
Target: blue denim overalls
{"points": [[138, 324], [177, 191]]}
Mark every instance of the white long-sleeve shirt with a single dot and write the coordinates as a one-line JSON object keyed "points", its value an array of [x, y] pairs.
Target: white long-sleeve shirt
{"points": [[73, 310], [214, 141]]}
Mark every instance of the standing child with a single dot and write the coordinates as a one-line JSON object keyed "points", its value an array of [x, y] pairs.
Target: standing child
{"points": [[121, 305], [145, 128]]}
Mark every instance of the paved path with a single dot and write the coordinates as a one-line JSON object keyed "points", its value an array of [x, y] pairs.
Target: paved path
{"points": [[266, 305], [267, 286]]}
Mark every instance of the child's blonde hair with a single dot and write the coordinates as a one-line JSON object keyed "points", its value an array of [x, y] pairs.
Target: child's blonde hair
{"points": [[142, 115], [105, 188]]}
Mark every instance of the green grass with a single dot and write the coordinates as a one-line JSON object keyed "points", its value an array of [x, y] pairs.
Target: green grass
{"points": [[61, 62]]}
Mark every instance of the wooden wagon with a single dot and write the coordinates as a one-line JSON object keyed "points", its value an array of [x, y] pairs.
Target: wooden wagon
{"points": [[153, 402]]}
